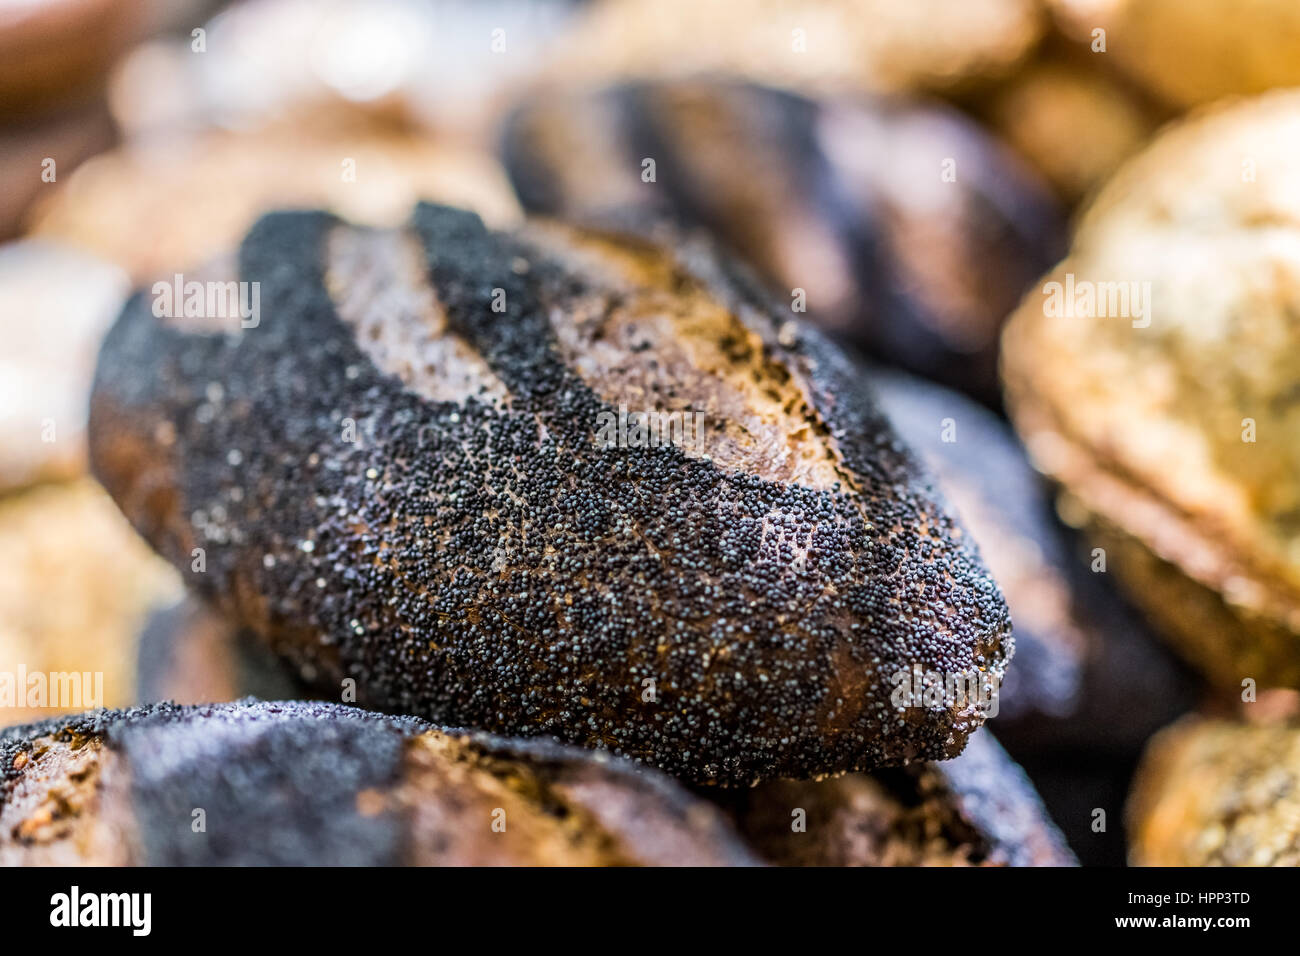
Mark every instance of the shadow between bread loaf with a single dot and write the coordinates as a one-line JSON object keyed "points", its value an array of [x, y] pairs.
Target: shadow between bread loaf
{"points": [[412, 491]]}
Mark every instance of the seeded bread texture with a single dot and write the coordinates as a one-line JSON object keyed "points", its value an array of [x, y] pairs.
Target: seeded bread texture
{"points": [[488, 562], [303, 784], [1090, 675]]}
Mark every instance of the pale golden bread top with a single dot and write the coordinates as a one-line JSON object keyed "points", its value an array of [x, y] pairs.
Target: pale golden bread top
{"points": [[1193, 51], [1214, 793], [880, 45], [1150, 417]]}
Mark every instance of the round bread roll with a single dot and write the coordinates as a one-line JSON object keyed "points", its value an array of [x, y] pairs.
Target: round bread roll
{"points": [[1152, 375], [308, 784], [1191, 53], [77, 587], [1218, 793], [879, 46], [1074, 122], [552, 481], [200, 191]]}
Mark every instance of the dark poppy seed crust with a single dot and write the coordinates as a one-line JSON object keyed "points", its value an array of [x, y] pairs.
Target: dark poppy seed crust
{"points": [[487, 563], [295, 783]]}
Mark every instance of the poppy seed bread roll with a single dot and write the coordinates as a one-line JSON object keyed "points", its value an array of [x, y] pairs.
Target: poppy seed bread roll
{"points": [[900, 226], [307, 784], [1089, 675], [417, 473]]}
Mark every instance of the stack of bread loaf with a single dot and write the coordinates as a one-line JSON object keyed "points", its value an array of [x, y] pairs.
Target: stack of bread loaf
{"points": [[689, 444]]}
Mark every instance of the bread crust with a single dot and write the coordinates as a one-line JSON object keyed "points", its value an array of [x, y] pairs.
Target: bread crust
{"points": [[1090, 675], [1192, 53], [978, 809], [1218, 793], [818, 46], [308, 784], [490, 563], [1172, 431], [903, 227]]}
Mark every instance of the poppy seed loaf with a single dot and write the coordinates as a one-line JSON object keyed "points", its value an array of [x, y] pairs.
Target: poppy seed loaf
{"points": [[305, 784], [406, 476], [1089, 675], [902, 227]]}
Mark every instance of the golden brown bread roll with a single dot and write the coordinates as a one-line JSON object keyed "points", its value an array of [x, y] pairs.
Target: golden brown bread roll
{"points": [[307, 784], [1218, 793], [1153, 376], [1074, 122], [430, 468], [78, 585], [1193, 51], [818, 45], [225, 180]]}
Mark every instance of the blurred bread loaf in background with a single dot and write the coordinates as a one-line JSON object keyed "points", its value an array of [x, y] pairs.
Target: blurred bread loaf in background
{"points": [[1153, 374], [898, 226]]}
